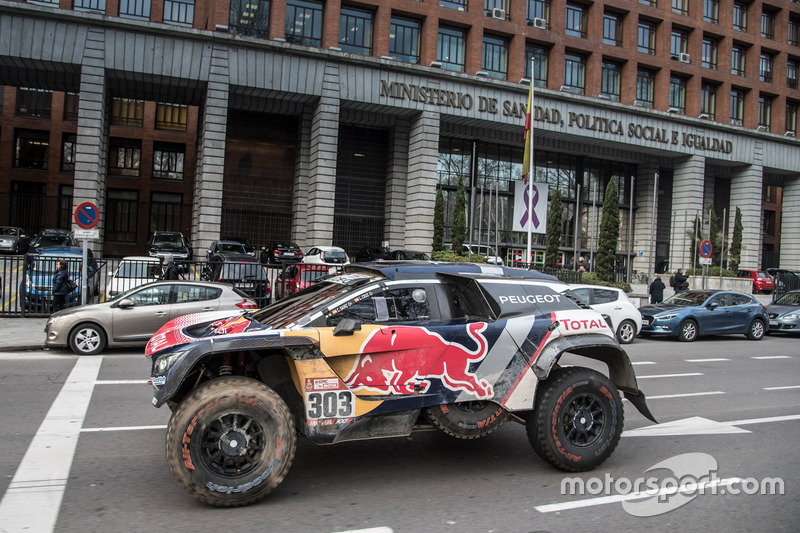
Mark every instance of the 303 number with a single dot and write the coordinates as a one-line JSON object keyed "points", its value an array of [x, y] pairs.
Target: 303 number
{"points": [[331, 404]]}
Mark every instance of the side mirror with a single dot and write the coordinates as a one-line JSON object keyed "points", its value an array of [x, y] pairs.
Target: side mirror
{"points": [[713, 305], [346, 327], [126, 303]]}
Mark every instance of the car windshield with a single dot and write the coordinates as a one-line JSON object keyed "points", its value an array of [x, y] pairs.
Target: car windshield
{"points": [[8, 231], [687, 298], [231, 247], [333, 255], [792, 298], [139, 269], [241, 271], [45, 241], [167, 238], [762, 275]]}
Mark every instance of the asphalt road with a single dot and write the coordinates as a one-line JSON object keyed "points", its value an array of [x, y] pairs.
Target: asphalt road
{"points": [[87, 454]]}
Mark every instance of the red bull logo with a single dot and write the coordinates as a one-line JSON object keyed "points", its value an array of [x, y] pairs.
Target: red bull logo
{"points": [[230, 326], [401, 362]]}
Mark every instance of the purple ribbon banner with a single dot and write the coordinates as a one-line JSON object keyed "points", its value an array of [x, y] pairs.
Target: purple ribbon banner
{"points": [[524, 220]]}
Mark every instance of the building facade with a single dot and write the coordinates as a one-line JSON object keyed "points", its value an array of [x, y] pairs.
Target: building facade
{"points": [[335, 123]]}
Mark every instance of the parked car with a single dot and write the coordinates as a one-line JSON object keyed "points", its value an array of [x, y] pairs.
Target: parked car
{"points": [[486, 251], [243, 272], [173, 243], [690, 314], [14, 239], [37, 287], [221, 249], [785, 279], [282, 251], [378, 352], [784, 313], [132, 317], [626, 320], [762, 282], [320, 255], [131, 272], [298, 276], [409, 255], [373, 253], [246, 243], [52, 237]]}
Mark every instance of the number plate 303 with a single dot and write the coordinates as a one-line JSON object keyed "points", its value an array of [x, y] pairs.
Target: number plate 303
{"points": [[330, 404]]}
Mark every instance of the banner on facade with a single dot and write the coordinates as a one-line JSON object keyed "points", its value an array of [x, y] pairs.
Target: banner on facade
{"points": [[538, 203]]}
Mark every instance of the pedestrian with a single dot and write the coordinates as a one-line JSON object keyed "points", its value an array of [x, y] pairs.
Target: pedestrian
{"points": [[170, 268], [657, 290], [61, 285], [681, 281]]}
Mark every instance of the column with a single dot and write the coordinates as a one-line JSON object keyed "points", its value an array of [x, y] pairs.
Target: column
{"points": [[644, 234], [423, 153], [207, 202], [300, 198], [746, 195], [687, 196], [790, 223], [396, 182]]}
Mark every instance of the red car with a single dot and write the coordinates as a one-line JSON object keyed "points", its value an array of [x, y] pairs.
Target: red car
{"points": [[762, 282], [298, 276]]}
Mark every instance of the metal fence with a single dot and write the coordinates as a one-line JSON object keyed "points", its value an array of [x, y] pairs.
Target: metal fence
{"points": [[785, 283]]}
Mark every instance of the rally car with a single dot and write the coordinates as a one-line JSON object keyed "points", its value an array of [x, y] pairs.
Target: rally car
{"points": [[379, 351]]}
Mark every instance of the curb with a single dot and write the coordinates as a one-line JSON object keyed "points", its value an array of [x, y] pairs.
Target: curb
{"points": [[36, 348]]}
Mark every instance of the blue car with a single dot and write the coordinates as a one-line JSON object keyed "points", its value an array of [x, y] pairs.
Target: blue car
{"points": [[690, 314], [37, 288]]}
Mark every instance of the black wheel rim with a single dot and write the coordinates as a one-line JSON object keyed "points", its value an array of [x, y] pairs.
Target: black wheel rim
{"points": [[583, 420], [234, 444]]}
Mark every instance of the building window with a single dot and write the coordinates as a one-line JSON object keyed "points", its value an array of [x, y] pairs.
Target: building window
{"points": [[767, 24], [765, 112], [610, 83], [792, 68], [249, 18], [450, 49], [709, 59], [495, 57], [649, 3], [71, 101], [65, 193], [538, 9], [740, 16], [612, 29], [304, 22], [355, 30], [678, 44], [404, 39], [166, 211], [34, 102], [179, 12], [677, 95], [791, 117], [737, 107], [122, 215], [168, 161], [575, 73], [576, 20], [711, 11], [708, 100], [31, 149], [681, 7], [68, 152], [489, 7], [794, 31], [127, 112], [738, 55], [460, 5], [645, 84], [647, 38], [171, 117], [98, 6], [539, 55], [135, 9], [765, 67], [124, 157]]}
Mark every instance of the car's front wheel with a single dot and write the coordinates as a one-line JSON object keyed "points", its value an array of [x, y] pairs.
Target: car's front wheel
{"points": [[231, 441], [688, 331], [577, 420], [756, 330], [87, 339], [626, 332]]}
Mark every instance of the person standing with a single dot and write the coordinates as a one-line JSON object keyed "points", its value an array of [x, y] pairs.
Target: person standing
{"points": [[657, 290], [60, 285], [170, 268], [681, 281]]}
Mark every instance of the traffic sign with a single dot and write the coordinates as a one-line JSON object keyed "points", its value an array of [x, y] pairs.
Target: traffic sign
{"points": [[704, 260], [86, 215], [705, 248], [86, 233]]}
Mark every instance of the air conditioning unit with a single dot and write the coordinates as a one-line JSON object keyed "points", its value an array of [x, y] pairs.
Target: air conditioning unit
{"points": [[789, 133], [703, 115], [685, 58], [762, 128], [674, 110], [498, 13], [540, 23]]}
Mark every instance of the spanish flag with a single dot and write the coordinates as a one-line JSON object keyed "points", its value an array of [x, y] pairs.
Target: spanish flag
{"points": [[528, 136]]}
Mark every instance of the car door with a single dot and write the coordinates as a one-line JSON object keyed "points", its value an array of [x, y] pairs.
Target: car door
{"points": [[742, 309], [715, 320], [190, 298], [606, 302], [140, 321]]}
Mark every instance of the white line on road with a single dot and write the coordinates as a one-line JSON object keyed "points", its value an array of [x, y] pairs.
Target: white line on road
{"points": [[772, 357], [714, 360], [783, 388], [369, 530], [688, 374], [685, 395], [785, 418], [644, 363], [121, 428], [33, 498], [121, 382]]}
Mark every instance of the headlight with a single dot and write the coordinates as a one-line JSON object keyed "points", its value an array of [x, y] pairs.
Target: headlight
{"points": [[666, 317], [792, 316], [165, 362]]}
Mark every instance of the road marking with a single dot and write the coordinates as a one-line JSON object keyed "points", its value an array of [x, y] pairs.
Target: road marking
{"points": [[685, 395], [121, 428], [381, 529], [664, 491], [713, 360], [688, 374], [644, 363], [783, 388], [121, 382], [785, 418], [773, 357], [33, 498], [695, 425]]}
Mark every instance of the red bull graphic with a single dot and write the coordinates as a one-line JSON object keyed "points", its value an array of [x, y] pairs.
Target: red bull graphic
{"points": [[390, 363]]}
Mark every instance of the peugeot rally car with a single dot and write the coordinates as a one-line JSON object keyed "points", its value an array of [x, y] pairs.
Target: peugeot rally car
{"points": [[378, 351]]}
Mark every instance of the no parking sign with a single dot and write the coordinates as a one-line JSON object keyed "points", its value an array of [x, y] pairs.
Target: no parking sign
{"points": [[86, 215]]}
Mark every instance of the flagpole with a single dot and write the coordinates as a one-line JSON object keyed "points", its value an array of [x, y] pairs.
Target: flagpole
{"points": [[530, 170]]}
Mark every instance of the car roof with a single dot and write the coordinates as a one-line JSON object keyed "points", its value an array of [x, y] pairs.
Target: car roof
{"points": [[431, 269], [141, 258], [587, 286], [229, 241], [238, 258], [329, 248]]}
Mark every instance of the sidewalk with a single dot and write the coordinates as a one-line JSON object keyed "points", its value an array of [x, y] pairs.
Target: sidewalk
{"points": [[22, 334]]}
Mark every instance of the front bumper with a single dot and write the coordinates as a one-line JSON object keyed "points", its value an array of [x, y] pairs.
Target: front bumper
{"points": [[784, 324], [652, 325]]}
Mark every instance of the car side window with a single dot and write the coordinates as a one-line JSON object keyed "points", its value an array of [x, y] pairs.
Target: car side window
{"points": [[397, 305], [189, 293], [719, 299], [583, 295], [740, 299], [604, 296], [152, 296]]}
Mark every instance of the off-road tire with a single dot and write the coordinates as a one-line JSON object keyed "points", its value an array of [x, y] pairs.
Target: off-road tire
{"points": [[467, 420], [626, 332], [231, 441], [687, 331], [87, 339], [756, 330], [577, 421]]}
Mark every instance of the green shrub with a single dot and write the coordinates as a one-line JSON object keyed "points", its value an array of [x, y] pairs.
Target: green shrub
{"points": [[713, 271], [590, 278], [449, 256]]}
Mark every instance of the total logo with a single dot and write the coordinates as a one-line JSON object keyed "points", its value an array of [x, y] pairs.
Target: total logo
{"points": [[582, 321]]}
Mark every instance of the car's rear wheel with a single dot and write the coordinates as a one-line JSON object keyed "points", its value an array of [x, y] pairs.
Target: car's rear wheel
{"points": [[626, 332], [87, 339], [688, 331], [577, 420], [756, 330], [231, 441], [467, 420]]}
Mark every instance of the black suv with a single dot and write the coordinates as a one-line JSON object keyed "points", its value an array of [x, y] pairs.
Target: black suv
{"points": [[225, 248], [242, 271], [378, 352], [174, 243], [282, 251], [373, 253], [52, 237]]}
